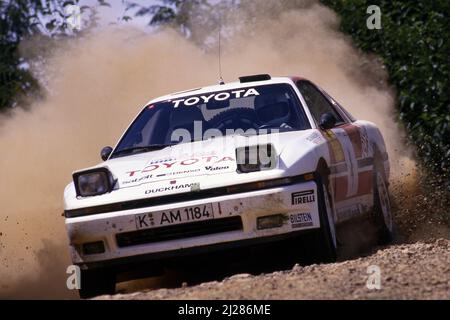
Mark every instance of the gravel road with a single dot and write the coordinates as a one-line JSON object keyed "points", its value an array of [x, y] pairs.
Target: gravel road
{"points": [[417, 266], [411, 271]]}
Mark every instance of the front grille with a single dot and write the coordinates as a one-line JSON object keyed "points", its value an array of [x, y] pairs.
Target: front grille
{"points": [[181, 231]]}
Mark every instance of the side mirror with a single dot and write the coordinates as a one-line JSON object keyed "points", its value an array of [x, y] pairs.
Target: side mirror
{"points": [[105, 153], [327, 121]]}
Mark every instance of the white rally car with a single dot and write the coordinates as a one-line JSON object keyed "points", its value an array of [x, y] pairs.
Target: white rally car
{"points": [[222, 167]]}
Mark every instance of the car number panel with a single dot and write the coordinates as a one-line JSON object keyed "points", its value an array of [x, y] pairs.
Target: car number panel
{"points": [[174, 216]]}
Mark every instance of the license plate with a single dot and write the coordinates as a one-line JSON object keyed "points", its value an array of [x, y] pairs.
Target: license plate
{"points": [[175, 216]]}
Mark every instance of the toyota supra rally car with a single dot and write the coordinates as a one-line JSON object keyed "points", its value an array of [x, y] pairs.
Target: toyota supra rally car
{"points": [[222, 167]]}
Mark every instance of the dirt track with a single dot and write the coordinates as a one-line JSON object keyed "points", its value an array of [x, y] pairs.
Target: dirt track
{"points": [[414, 271], [416, 267]]}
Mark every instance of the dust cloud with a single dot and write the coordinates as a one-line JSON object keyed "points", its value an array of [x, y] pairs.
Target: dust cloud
{"points": [[100, 82]]}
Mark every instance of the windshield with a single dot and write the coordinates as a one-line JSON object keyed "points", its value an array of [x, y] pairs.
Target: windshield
{"points": [[245, 111]]}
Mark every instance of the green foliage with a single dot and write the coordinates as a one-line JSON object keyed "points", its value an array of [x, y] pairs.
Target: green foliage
{"points": [[414, 45], [176, 13], [21, 19]]}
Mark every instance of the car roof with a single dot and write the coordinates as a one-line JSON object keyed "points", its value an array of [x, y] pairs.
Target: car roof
{"points": [[223, 87]]}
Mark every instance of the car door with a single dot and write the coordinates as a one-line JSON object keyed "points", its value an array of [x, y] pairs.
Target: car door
{"points": [[347, 147], [357, 132]]}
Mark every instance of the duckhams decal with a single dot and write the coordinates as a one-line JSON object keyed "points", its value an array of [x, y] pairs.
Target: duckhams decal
{"points": [[172, 187]]}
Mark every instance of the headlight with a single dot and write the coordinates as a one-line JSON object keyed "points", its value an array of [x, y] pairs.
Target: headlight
{"points": [[93, 182], [256, 158]]}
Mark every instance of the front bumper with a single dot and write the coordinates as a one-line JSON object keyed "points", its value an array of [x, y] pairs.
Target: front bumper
{"points": [[249, 206]]}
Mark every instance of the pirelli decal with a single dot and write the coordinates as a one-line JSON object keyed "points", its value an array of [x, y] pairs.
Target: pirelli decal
{"points": [[303, 197]]}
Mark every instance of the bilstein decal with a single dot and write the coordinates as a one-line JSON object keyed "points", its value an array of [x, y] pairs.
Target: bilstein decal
{"points": [[301, 220]]}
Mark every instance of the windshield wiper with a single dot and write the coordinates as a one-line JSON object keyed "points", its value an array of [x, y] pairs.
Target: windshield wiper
{"points": [[143, 149]]}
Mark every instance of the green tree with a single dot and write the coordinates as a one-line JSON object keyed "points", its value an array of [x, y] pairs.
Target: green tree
{"points": [[21, 19], [176, 13], [194, 19], [413, 44]]}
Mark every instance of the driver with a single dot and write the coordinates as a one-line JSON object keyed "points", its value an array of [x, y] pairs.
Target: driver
{"points": [[273, 110]]}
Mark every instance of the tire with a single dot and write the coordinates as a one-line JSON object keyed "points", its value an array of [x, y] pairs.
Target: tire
{"points": [[325, 245], [96, 282], [382, 214]]}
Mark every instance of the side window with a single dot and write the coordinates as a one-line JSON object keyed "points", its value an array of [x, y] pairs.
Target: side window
{"points": [[317, 103], [339, 107]]}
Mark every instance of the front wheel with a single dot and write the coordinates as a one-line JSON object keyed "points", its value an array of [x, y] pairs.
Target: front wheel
{"points": [[321, 245], [96, 282]]}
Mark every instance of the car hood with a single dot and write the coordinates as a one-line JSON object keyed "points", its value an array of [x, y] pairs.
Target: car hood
{"points": [[203, 158], [209, 164]]}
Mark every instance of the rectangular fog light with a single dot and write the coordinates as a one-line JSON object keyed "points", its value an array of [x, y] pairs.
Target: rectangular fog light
{"points": [[270, 222], [93, 248]]}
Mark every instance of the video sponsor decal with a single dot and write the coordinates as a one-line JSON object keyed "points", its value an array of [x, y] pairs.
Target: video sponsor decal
{"points": [[221, 96], [212, 168], [301, 220], [303, 197]]}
